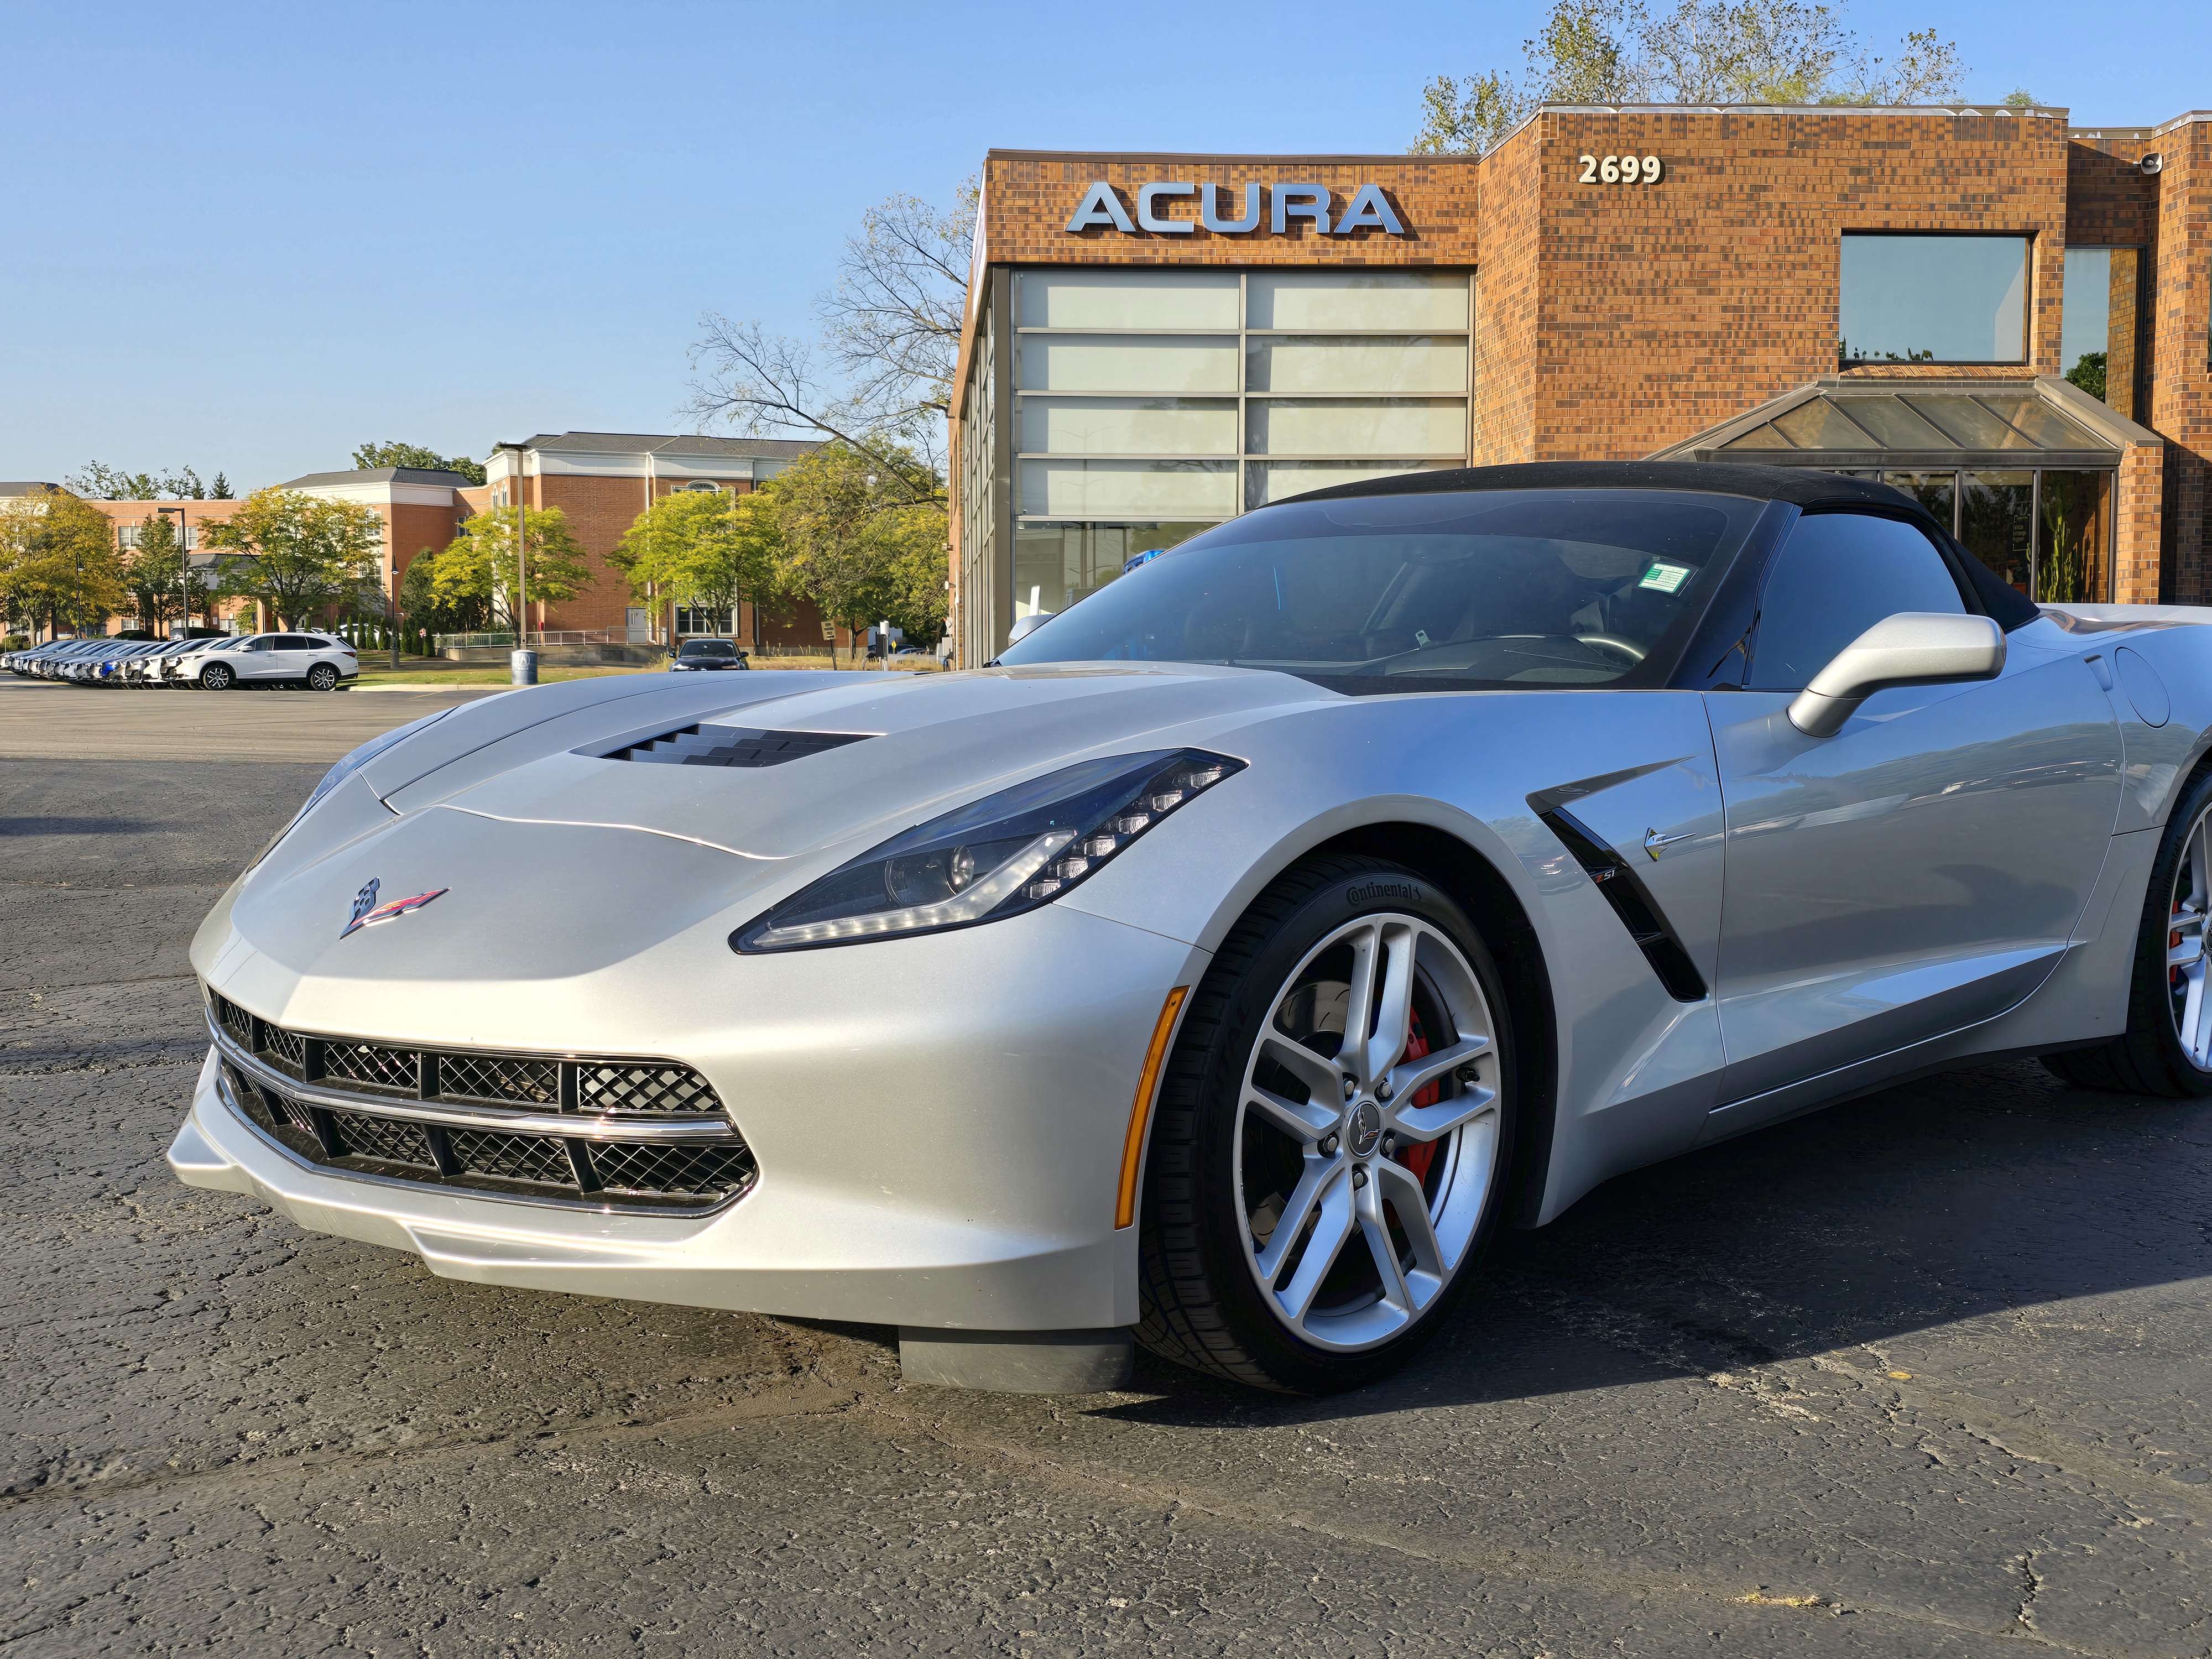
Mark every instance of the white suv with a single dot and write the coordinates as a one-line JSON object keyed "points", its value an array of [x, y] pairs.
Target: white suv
{"points": [[317, 661]]}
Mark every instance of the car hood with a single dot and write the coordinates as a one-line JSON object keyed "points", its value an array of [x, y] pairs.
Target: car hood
{"points": [[555, 865], [924, 744]]}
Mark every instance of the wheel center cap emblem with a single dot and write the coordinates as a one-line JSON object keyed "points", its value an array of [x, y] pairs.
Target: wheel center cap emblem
{"points": [[1363, 1128]]}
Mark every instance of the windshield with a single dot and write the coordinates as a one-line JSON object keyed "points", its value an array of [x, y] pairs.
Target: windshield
{"points": [[709, 648], [1435, 592]]}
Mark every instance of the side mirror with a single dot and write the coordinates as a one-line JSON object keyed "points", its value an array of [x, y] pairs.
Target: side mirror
{"points": [[1913, 647], [1025, 626]]}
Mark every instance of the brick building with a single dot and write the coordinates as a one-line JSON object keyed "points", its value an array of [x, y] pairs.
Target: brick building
{"points": [[602, 481], [2005, 315]]}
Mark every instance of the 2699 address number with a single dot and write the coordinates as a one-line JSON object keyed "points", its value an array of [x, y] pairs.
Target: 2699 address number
{"points": [[1621, 170]]}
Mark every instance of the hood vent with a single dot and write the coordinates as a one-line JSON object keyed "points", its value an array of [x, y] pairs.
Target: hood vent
{"points": [[726, 746]]}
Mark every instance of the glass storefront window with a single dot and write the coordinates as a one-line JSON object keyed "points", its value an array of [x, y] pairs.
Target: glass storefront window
{"points": [[2074, 538], [1994, 522], [1408, 299], [1146, 399], [1166, 299], [1127, 362], [1934, 300], [1311, 362], [1128, 426], [1057, 564], [1359, 426], [1074, 489]]}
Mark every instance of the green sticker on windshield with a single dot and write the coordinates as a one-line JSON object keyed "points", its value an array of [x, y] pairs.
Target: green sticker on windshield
{"points": [[1665, 578]]}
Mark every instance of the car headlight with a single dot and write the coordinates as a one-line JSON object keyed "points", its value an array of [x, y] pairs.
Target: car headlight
{"points": [[996, 857], [345, 769]]}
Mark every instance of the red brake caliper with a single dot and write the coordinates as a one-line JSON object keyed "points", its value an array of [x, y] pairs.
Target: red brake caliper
{"points": [[1418, 1155]]}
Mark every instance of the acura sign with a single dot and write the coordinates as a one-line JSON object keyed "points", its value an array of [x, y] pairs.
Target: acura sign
{"points": [[1103, 206]]}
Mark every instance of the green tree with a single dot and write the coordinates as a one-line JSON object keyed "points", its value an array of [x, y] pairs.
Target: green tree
{"points": [[297, 553], [480, 564], [154, 570], [425, 611], [370, 456], [2088, 373], [99, 482], [220, 489], [710, 551], [858, 546], [1698, 51], [58, 562]]}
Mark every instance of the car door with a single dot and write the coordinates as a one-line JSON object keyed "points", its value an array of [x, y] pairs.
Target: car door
{"points": [[259, 659], [1923, 869]]}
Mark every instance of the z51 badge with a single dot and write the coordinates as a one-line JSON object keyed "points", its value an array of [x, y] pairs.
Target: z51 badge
{"points": [[368, 913]]}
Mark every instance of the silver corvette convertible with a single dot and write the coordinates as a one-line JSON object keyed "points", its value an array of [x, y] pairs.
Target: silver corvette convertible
{"points": [[1223, 965]]}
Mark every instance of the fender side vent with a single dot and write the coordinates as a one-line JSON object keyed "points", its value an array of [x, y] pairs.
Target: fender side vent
{"points": [[1633, 902], [727, 746]]}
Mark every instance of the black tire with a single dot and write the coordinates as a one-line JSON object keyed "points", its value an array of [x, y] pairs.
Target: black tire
{"points": [[323, 677], [1201, 1300], [217, 676], [2149, 1058]]}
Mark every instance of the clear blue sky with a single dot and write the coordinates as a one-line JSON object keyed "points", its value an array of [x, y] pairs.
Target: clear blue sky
{"points": [[247, 239]]}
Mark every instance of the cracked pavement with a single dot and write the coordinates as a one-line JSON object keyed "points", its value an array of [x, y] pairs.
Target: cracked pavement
{"points": [[1924, 1373]]}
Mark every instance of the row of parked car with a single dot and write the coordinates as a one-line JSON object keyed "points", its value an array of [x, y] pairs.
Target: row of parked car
{"points": [[318, 662]]}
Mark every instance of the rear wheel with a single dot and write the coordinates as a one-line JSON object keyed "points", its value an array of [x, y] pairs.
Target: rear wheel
{"points": [[217, 676], [2167, 1047], [323, 677], [1332, 1130]]}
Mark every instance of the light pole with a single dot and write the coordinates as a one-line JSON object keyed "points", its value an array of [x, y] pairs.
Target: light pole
{"points": [[523, 664], [184, 567]]}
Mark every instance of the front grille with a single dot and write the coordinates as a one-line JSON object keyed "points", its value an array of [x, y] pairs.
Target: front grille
{"points": [[513, 1157], [372, 1065], [497, 1076], [649, 1088], [575, 1164], [386, 1140], [287, 1048], [650, 1169], [642, 1089]]}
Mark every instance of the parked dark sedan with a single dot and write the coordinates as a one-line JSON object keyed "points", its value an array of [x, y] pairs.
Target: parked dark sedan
{"points": [[703, 654]]}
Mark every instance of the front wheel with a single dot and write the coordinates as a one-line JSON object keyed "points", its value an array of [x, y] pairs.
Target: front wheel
{"points": [[323, 677], [1332, 1135], [217, 676], [2167, 1047]]}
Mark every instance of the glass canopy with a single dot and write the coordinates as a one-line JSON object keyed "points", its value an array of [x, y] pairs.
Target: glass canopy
{"points": [[1931, 428]]}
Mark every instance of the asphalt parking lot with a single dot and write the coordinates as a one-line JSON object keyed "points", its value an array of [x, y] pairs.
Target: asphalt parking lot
{"points": [[1928, 1373]]}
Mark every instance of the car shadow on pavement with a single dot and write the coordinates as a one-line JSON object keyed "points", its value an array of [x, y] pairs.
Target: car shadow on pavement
{"points": [[1938, 1202]]}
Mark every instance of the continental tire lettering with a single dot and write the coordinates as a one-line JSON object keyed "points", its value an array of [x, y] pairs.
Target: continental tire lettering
{"points": [[1384, 889]]}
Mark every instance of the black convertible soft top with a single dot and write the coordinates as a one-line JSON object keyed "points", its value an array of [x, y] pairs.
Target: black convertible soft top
{"points": [[1799, 486]]}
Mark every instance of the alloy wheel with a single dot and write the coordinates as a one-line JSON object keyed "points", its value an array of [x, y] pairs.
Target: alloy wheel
{"points": [[322, 677], [1368, 1131], [2185, 945], [215, 676]]}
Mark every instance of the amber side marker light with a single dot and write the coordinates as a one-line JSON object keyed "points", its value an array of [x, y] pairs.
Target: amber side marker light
{"points": [[1140, 1109]]}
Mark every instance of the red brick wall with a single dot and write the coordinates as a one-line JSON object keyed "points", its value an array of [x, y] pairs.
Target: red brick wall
{"points": [[2181, 352], [1661, 310], [2136, 512], [1506, 311]]}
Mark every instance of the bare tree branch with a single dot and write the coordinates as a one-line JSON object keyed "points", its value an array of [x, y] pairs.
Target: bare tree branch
{"points": [[766, 383]]}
